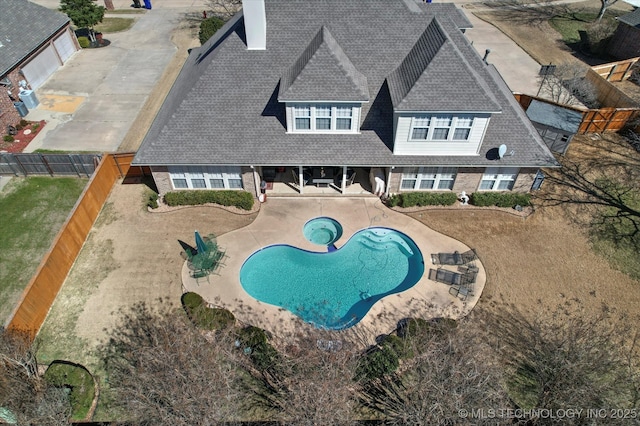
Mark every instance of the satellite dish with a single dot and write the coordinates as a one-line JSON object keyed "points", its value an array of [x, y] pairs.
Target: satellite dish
{"points": [[502, 150]]}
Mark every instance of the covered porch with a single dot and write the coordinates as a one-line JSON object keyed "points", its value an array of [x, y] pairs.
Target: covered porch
{"points": [[314, 180]]}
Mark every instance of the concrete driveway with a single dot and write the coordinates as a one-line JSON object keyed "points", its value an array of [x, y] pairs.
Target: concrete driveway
{"points": [[92, 102]]}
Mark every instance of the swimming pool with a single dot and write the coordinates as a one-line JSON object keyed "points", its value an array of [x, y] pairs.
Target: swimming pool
{"points": [[334, 289]]}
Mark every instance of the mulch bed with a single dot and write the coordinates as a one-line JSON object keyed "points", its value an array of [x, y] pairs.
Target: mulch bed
{"points": [[23, 137]]}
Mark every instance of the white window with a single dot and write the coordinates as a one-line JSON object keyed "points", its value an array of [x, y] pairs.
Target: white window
{"points": [[322, 118], [206, 177], [428, 178], [344, 118], [498, 179], [441, 127], [302, 117]]}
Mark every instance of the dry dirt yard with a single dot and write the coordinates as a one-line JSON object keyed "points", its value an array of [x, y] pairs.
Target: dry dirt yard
{"points": [[132, 255]]}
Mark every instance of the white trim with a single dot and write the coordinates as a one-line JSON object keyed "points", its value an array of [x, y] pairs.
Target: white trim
{"points": [[438, 121], [195, 177], [498, 179], [314, 116], [423, 176]]}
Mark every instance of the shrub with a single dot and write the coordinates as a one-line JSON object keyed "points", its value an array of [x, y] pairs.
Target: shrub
{"points": [[84, 42], [8, 138], [205, 317], [152, 200], [400, 346], [35, 126], [79, 383], [19, 127], [254, 341], [413, 327], [23, 122], [240, 199], [377, 363], [411, 199], [208, 28], [500, 199]]}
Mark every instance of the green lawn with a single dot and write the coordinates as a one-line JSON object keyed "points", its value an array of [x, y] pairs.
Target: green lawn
{"points": [[33, 210], [114, 25], [570, 25]]}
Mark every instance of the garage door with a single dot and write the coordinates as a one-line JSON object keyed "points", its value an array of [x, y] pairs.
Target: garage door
{"points": [[64, 46], [41, 67]]}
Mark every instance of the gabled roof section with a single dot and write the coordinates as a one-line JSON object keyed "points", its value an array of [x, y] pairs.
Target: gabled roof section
{"points": [[434, 69], [24, 26], [323, 72], [631, 18]]}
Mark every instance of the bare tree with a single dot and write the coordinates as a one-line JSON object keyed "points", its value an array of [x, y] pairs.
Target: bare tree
{"points": [[563, 358], [450, 375], [568, 86], [224, 9], [604, 5], [23, 392], [162, 370]]}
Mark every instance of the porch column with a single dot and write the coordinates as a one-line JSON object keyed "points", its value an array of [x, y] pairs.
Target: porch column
{"points": [[386, 190], [301, 178], [343, 186], [256, 181]]}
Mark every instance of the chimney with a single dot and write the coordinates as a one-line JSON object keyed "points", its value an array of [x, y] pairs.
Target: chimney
{"points": [[255, 24]]}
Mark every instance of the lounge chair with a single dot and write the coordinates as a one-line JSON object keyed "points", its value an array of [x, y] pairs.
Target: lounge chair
{"points": [[446, 277], [455, 258]]}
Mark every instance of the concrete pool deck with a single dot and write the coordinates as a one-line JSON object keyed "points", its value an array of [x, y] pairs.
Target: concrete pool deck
{"points": [[281, 220]]}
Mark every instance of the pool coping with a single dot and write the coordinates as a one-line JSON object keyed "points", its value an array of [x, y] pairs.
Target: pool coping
{"points": [[281, 221]]}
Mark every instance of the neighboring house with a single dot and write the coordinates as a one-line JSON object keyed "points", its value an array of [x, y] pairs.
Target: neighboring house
{"points": [[556, 124], [290, 92], [625, 42], [34, 43]]}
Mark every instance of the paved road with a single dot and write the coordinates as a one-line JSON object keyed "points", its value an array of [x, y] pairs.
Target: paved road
{"points": [[92, 102]]}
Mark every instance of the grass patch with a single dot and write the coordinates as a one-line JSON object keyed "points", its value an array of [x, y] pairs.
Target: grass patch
{"points": [[569, 26], [126, 12], [114, 25], [78, 381], [57, 151], [33, 210]]}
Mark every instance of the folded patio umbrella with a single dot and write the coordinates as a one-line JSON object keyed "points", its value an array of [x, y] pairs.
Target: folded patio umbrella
{"points": [[201, 246]]}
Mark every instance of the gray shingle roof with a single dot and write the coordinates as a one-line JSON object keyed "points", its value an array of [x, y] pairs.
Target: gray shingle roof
{"points": [[631, 18], [430, 71], [24, 26], [554, 116], [224, 108], [323, 73]]}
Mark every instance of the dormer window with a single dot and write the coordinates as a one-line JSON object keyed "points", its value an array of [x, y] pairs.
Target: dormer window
{"points": [[441, 127], [324, 118]]}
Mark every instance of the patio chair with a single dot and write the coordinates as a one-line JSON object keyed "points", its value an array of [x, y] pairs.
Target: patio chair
{"points": [[445, 276], [199, 274], [461, 292]]}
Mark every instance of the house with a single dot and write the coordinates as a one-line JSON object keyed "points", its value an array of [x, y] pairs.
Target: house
{"points": [[625, 42], [295, 95], [556, 124], [34, 43]]}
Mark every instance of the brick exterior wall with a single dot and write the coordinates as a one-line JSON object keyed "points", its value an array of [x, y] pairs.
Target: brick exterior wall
{"points": [[468, 180], [8, 114], [163, 180]]}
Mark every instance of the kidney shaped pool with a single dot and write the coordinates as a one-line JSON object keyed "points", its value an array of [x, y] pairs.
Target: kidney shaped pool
{"points": [[334, 290]]}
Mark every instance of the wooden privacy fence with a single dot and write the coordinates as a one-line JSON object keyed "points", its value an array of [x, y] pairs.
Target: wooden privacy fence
{"points": [[593, 120], [23, 164], [616, 71], [38, 296]]}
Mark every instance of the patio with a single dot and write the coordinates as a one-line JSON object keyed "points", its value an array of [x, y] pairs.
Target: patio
{"points": [[281, 220]]}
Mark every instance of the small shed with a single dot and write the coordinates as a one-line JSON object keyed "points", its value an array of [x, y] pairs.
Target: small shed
{"points": [[556, 124], [625, 42]]}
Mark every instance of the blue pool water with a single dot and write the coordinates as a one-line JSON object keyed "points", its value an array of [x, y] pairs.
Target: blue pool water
{"points": [[322, 230], [334, 289]]}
